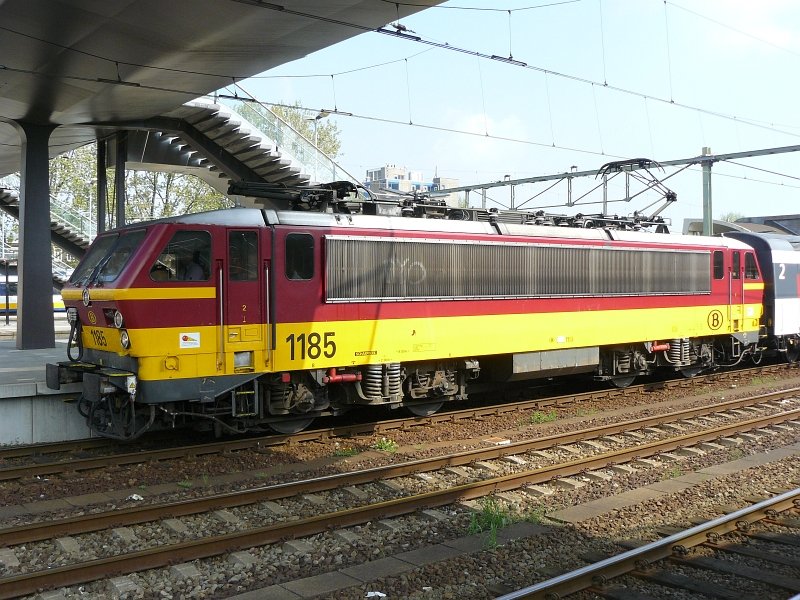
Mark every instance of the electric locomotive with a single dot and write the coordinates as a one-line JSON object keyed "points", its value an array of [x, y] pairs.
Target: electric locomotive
{"points": [[319, 303]]}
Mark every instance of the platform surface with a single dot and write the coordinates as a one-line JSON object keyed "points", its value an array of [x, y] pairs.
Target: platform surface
{"points": [[28, 366], [30, 412]]}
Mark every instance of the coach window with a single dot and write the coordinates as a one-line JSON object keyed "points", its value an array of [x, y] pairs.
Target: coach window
{"points": [[750, 267], [186, 257], [737, 265], [719, 265], [299, 256], [243, 253]]}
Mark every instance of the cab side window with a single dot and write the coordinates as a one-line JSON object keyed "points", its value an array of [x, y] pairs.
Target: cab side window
{"points": [[719, 265], [186, 257], [299, 256], [750, 266], [243, 253]]}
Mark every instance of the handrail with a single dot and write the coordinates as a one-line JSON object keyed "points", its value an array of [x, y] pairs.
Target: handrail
{"points": [[77, 221], [290, 142]]}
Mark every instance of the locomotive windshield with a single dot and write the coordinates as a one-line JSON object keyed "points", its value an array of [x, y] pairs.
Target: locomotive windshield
{"points": [[107, 257], [186, 257]]}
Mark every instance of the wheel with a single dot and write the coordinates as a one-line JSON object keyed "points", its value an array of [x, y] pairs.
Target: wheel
{"points": [[623, 382], [290, 426], [689, 372], [792, 353], [424, 410]]}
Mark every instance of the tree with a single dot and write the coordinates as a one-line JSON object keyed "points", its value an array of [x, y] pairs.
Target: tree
{"points": [[731, 217], [149, 194], [157, 194], [303, 121]]}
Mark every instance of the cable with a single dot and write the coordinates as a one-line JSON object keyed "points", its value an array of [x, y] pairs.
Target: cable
{"points": [[432, 127], [726, 26], [602, 41], [476, 8], [669, 57], [523, 65], [375, 66], [597, 116], [143, 86], [106, 59], [510, 61], [441, 45], [745, 178], [760, 169]]}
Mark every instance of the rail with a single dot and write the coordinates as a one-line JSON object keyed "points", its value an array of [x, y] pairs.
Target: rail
{"points": [[586, 577], [272, 440], [136, 515], [83, 572]]}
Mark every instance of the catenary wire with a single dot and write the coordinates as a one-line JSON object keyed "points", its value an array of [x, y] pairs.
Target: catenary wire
{"points": [[478, 8]]}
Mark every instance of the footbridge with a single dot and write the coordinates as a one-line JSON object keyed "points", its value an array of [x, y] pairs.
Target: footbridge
{"points": [[218, 143]]}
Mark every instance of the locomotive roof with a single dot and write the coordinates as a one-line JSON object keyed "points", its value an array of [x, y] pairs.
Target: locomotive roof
{"points": [[254, 217], [774, 241]]}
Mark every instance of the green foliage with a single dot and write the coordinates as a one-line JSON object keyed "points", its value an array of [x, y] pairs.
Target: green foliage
{"points": [[149, 195], [490, 519], [535, 514], [586, 412], [538, 416], [385, 445], [346, 451], [303, 121], [186, 484], [153, 195], [730, 217], [673, 472]]}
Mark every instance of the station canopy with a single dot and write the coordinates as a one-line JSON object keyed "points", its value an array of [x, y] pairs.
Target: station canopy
{"points": [[84, 63]]}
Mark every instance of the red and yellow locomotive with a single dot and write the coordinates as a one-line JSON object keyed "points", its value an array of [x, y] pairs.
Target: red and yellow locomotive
{"points": [[243, 318]]}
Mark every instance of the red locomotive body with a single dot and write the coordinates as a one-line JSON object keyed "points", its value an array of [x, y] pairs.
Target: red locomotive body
{"points": [[246, 317]]}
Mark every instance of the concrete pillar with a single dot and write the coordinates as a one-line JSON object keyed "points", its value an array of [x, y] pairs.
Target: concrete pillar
{"points": [[35, 324]]}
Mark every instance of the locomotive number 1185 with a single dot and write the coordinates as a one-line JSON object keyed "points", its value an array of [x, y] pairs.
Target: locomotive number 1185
{"points": [[312, 345]]}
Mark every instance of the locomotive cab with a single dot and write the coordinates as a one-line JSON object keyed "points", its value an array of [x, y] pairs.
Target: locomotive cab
{"points": [[169, 323]]}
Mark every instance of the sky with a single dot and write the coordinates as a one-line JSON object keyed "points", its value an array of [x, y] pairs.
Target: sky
{"points": [[605, 80]]}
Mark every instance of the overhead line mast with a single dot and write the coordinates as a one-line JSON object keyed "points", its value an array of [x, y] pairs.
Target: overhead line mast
{"points": [[706, 159]]}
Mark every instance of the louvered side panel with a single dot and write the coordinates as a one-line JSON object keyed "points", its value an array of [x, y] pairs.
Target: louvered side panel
{"points": [[369, 269]]}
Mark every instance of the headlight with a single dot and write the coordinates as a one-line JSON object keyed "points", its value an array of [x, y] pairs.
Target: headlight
{"points": [[72, 315], [118, 320], [124, 339]]}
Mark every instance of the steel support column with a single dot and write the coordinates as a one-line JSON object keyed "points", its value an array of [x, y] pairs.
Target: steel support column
{"points": [[102, 186], [119, 176], [708, 217], [35, 324]]}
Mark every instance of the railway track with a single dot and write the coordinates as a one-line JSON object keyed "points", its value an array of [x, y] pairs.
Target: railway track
{"points": [[94, 522], [654, 563], [307, 525], [28, 469]]}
